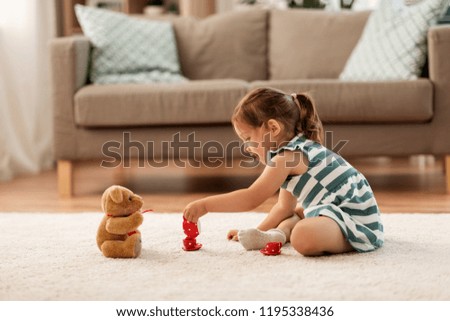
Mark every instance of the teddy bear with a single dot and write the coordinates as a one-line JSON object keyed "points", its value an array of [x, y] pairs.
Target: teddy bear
{"points": [[118, 235]]}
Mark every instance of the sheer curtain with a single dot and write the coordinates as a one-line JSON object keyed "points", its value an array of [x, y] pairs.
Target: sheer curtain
{"points": [[359, 5], [26, 26]]}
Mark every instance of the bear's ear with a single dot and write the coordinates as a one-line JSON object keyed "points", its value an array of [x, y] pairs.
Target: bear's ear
{"points": [[116, 195]]}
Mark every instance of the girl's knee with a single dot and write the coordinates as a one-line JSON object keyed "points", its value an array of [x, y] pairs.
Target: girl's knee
{"points": [[303, 240]]}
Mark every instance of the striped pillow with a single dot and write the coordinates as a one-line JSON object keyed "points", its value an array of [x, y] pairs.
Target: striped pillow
{"points": [[393, 44]]}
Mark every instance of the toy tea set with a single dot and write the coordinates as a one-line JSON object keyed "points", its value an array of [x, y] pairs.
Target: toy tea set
{"points": [[192, 230], [118, 235]]}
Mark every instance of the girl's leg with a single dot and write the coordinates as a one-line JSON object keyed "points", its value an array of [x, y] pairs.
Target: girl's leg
{"points": [[287, 225], [254, 239], [318, 236], [299, 211]]}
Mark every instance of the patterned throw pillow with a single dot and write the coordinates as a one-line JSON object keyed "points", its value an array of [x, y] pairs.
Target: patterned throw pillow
{"points": [[393, 44], [129, 50]]}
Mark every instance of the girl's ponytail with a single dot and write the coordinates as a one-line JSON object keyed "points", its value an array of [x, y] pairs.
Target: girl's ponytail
{"points": [[295, 112], [309, 123]]}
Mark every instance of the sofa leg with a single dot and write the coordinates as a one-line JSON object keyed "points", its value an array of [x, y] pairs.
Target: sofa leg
{"points": [[65, 178], [447, 172]]}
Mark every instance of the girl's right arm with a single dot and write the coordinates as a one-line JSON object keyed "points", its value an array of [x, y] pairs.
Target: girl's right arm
{"points": [[244, 199]]}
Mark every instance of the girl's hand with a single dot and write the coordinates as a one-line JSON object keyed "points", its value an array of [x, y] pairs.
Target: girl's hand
{"points": [[193, 211], [233, 235]]}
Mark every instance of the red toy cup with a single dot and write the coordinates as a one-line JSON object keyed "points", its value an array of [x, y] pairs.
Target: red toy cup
{"points": [[191, 229], [191, 245], [272, 248]]}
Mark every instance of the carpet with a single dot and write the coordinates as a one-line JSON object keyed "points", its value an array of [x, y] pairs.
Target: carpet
{"points": [[54, 257]]}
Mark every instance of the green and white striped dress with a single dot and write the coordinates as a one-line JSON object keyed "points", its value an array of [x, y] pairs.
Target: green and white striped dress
{"points": [[332, 187]]}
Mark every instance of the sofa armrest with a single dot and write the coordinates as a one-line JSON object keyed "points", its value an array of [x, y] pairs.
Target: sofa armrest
{"points": [[69, 68], [439, 71], [75, 51], [438, 53]]}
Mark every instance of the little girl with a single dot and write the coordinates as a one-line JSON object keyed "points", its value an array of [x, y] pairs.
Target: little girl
{"points": [[324, 204]]}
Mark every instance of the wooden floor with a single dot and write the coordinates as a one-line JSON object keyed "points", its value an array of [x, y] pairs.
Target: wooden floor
{"points": [[413, 185]]}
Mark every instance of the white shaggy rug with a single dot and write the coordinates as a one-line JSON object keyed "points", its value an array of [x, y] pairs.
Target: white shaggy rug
{"points": [[54, 257]]}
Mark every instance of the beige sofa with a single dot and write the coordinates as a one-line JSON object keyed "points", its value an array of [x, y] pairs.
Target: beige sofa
{"points": [[224, 57]]}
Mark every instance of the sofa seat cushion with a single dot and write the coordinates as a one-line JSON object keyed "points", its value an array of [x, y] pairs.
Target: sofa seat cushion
{"points": [[193, 102], [340, 102]]}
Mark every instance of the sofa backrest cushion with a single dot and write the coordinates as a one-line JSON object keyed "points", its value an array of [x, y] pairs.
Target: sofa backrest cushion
{"points": [[305, 43], [230, 45]]}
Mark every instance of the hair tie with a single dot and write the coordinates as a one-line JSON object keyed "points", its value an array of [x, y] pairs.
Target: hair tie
{"points": [[294, 97]]}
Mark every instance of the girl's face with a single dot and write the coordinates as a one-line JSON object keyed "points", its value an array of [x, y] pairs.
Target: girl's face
{"points": [[257, 140]]}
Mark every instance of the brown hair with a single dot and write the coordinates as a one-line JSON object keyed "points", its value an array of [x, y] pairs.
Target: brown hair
{"points": [[295, 112]]}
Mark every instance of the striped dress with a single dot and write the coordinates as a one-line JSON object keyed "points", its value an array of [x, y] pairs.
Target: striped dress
{"points": [[332, 187]]}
